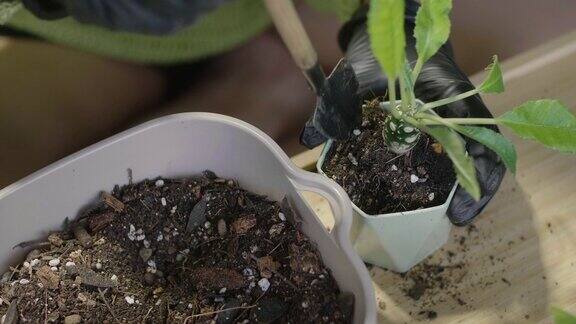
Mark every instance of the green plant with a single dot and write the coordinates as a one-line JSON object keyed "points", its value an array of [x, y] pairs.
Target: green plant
{"points": [[562, 317], [546, 121]]}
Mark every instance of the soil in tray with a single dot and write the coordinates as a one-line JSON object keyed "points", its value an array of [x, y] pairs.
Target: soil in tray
{"points": [[194, 250], [380, 181]]}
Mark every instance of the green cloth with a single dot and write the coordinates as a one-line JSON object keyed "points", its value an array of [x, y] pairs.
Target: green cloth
{"points": [[228, 26]]}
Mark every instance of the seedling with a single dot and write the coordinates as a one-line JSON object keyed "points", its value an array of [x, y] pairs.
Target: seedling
{"points": [[546, 121]]}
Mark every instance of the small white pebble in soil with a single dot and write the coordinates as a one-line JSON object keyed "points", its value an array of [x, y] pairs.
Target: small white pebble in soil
{"points": [[264, 284], [24, 281], [321, 276], [114, 278], [173, 210], [282, 216], [190, 306], [54, 269], [146, 243], [356, 132], [394, 167], [34, 262], [129, 300], [98, 266], [223, 290], [160, 237], [254, 248], [70, 264], [54, 262], [26, 264], [159, 183], [207, 225], [305, 304], [413, 178], [163, 201], [431, 196]]}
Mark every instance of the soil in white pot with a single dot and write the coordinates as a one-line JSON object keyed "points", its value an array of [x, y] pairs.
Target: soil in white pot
{"points": [[195, 250], [380, 181]]}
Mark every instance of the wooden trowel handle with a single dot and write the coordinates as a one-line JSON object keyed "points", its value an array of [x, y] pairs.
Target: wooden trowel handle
{"points": [[292, 31]]}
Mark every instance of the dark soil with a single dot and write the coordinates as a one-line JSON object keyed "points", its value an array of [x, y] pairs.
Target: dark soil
{"points": [[194, 250], [380, 181]]}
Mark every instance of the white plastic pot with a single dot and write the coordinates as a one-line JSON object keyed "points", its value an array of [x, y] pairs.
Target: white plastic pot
{"points": [[397, 241], [178, 146]]}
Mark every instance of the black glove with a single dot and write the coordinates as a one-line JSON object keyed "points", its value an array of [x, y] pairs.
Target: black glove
{"points": [[440, 78], [140, 16]]}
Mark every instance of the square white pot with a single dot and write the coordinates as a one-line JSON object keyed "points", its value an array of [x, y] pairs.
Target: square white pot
{"points": [[397, 241], [179, 146]]}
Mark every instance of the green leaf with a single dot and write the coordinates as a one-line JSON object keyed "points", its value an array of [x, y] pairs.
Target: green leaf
{"points": [[386, 30], [493, 82], [546, 121], [432, 27], [562, 317], [463, 164], [494, 141]]}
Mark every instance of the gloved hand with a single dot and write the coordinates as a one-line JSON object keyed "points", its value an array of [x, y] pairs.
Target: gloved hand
{"points": [[140, 16], [440, 78]]}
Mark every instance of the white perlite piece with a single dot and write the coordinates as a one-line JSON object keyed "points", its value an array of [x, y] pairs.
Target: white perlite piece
{"points": [[24, 281], [431, 196], [356, 132], [98, 266], [129, 300], [70, 264], [394, 167], [414, 178], [173, 210], [146, 243], [282, 216], [54, 269], [159, 183], [160, 237], [34, 262], [132, 232], [264, 284], [163, 201], [114, 278], [352, 159], [26, 264], [54, 262], [223, 290]]}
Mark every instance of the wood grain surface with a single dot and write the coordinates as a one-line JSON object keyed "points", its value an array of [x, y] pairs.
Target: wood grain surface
{"points": [[521, 259]]}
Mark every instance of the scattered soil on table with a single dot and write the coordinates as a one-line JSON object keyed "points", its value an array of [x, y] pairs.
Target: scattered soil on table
{"points": [[380, 181], [441, 276], [196, 250]]}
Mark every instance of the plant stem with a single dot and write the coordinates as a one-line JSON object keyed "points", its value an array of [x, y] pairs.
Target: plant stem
{"points": [[392, 93], [405, 96], [459, 121], [417, 68], [442, 102]]}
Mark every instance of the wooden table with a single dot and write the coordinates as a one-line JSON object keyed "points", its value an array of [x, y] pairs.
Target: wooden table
{"points": [[527, 234]]}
